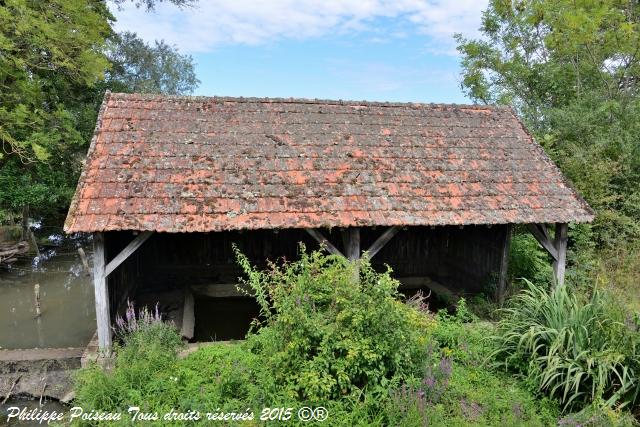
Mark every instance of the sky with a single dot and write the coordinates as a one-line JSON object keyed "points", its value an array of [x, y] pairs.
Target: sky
{"points": [[374, 50]]}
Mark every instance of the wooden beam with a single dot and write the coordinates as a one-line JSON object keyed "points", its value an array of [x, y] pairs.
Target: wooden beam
{"points": [[541, 234], [504, 264], [126, 252], [103, 317], [323, 241], [560, 243], [382, 240], [351, 238]]}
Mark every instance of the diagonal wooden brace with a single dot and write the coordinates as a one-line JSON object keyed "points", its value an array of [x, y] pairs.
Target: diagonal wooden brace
{"points": [[126, 252], [323, 241], [382, 240]]}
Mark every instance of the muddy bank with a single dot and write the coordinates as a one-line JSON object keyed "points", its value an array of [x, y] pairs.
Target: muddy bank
{"points": [[40, 373]]}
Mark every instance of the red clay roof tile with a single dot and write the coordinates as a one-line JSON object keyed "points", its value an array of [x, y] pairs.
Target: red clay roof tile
{"points": [[182, 164]]}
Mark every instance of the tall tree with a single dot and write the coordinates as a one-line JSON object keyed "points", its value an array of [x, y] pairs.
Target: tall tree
{"points": [[139, 67], [571, 69], [48, 52], [54, 57]]}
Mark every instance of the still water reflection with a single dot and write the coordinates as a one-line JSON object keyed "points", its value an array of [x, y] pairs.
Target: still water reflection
{"points": [[66, 299]]}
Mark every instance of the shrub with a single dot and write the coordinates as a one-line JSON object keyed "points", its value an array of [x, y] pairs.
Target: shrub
{"points": [[333, 327], [576, 351], [144, 363], [471, 393], [527, 260]]}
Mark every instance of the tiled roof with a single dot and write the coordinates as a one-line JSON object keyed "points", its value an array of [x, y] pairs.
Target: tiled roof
{"points": [[177, 164]]}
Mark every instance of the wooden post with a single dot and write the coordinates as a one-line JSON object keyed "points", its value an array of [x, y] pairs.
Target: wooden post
{"points": [[101, 289], [323, 241], [83, 258], [560, 244], [504, 265], [188, 315], [36, 291], [351, 239]]}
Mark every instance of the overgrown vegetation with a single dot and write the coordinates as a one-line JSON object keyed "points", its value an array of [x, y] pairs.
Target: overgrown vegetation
{"points": [[332, 334], [579, 351], [327, 334]]}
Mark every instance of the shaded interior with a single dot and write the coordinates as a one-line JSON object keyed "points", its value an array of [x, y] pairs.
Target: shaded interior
{"points": [[464, 260]]}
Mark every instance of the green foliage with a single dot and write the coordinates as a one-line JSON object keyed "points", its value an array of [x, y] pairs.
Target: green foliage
{"points": [[139, 67], [476, 395], [527, 260], [143, 369], [333, 328], [572, 70], [233, 377], [579, 352], [53, 61], [47, 48]]}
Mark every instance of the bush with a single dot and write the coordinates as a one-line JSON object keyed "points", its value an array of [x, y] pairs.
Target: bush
{"points": [[471, 393], [333, 328], [578, 352], [527, 260], [144, 364]]}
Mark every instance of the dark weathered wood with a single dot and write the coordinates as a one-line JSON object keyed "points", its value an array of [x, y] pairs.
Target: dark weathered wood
{"points": [[8, 254], [560, 243], [103, 317], [127, 251], [504, 265], [382, 240], [323, 241], [221, 290], [541, 234], [410, 283], [351, 238]]}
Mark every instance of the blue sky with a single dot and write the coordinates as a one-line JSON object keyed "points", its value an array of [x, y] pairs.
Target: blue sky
{"points": [[378, 50]]}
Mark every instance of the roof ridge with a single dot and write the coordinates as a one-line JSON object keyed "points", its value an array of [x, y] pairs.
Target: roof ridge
{"points": [[296, 100]]}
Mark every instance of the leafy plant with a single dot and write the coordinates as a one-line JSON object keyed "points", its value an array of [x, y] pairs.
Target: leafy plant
{"points": [[527, 260], [333, 327], [577, 351]]}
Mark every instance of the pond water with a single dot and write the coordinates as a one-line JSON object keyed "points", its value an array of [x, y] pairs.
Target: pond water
{"points": [[66, 298]]}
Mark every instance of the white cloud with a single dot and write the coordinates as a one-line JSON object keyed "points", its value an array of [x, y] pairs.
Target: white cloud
{"points": [[213, 23]]}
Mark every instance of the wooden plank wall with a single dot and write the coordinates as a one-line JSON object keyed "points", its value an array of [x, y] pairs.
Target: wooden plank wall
{"points": [[123, 279], [465, 258]]}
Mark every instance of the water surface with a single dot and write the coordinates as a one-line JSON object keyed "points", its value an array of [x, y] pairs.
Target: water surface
{"points": [[66, 299]]}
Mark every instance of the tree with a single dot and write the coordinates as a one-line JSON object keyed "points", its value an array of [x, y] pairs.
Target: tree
{"points": [[571, 69], [54, 57], [49, 51], [46, 48], [151, 4], [139, 67]]}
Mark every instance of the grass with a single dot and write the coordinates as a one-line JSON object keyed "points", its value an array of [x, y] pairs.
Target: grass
{"points": [[353, 348]]}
